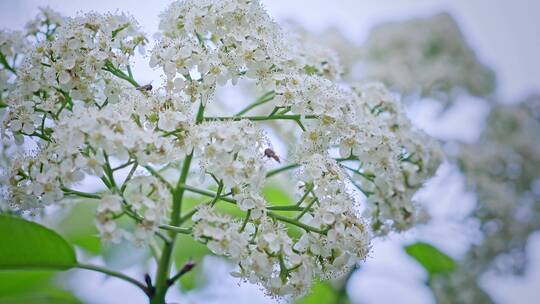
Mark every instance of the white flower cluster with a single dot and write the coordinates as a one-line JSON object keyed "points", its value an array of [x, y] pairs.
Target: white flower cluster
{"points": [[71, 98], [394, 158], [314, 57], [44, 24], [225, 40], [427, 55], [11, 46], [329, 44], [84, 140], [266, 253], [231, 152], [72, 66]]}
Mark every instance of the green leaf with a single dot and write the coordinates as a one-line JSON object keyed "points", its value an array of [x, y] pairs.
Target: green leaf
{"points": [[79, 228], [28, 287], [48, 296], [118, 30], [189, 249], [310, 70], [321, 292], [28, 245], [431, 258], [20, 282], [276, 196]]}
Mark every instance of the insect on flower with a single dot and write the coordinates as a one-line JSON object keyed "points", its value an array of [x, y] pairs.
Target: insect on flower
{"points": [[271, 154], [146, 87]]}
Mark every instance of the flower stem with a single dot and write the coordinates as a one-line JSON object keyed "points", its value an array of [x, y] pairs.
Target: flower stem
{"points": [[279, 170], [114, 274], [178, 194], [296, 223], [294, 117], [176, 229], [81, 194], [6, 65], [261, 100]]}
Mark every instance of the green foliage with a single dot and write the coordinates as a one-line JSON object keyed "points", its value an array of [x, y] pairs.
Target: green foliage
{"points": [[46, 296], [310, 70], [276, 196], [431, 258], [13, 283], [189, 249], [321, 292], [79, 227], [28, 287], [28, 245]]}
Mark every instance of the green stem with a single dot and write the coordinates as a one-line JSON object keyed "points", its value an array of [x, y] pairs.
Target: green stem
{"points": [[218, 194], [120, 74], [309, 187], [6, 65], [261, 118], [109, 172], [207, 193], [279, 170], [261, 100], [165, 260], [366, 176], [271, 214], [295, 222], [79, 193], [176, 229], [128, 177], [114, 274], [178, 194], [120, 167], [156, 174], [285, 208], [306, 209]]}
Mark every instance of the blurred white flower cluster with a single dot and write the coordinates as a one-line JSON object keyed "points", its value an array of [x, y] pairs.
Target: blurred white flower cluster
{"points": [[429, 56], [461, 286], [75, 101], [504, 169]]}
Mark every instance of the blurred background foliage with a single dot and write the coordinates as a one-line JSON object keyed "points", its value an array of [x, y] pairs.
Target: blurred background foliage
{"points": [[452, 280]]}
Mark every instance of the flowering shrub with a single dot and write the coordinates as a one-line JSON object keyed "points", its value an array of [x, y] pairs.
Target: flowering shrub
{"points": [[71, 99], [430, 55]]}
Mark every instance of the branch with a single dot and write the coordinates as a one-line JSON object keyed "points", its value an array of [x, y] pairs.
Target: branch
{"points": [[6, 65], [188, 266], [261, 100], [296, 223], [175, 229], [279, 170], [158, 176], [262, 118], [79, 193], [120, 74], [114, 274]]}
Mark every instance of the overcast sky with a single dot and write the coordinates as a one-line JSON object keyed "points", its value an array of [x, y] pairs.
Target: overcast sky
{"points": [[504, 34]]}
